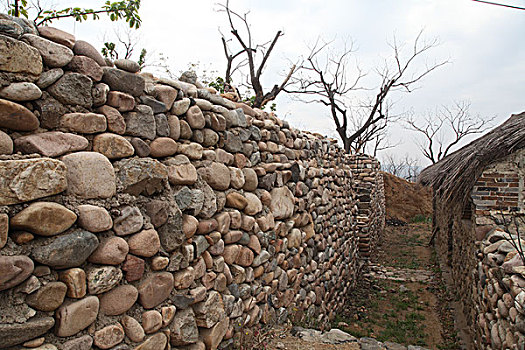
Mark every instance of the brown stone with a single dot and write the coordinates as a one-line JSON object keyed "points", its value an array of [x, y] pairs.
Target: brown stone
{"points": [[155, 289], [112, 146], [245, 257], [118, 300], [51, 144], [121, 101], [109, 336], [4, 229], [254, 244], [110, 251], [19, 60], [168, 313], [81, 343], [212, 337], [84, 123], [174, 124], [217, 175], [183, 329], [83, 48], [232, 237], [115, 120], [90, 175], [75, 280], [29, 179], [206, 226], [14, 270], [282, 203], [166, 94], [157, 211], [184, 278], [129, 221], [6, 143], [236, 200], [57, 35], [48, 297], [195, 118], [254, 205], [251, 180], [157, 341], [44, 219], [163, 147], [16, 117], [159, 263], [192, 150], [94, 218], [231, 252], [134, 268], [17, 333], [87, 66], [210, 311], [181, 171], [189, 225], [74, 317], [151, 321], [145, 243], [132, 328]]}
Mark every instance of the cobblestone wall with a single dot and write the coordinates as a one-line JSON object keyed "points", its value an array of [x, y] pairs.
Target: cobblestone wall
{"points": [[149, 213], [480, 244]]}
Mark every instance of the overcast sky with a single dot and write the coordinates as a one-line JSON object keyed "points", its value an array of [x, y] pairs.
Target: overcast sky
{"points": [[484, 44]]}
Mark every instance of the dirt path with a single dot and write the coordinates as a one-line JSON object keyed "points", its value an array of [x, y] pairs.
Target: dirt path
{"points": [[401, 299]]}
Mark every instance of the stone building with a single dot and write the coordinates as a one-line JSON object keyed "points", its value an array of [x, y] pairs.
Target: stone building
{"points": [[478, 218]]}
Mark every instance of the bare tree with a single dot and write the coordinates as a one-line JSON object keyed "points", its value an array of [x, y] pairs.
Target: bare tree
{"points": [[406, 167], [445, 128], [247, 54], [329, 80]]}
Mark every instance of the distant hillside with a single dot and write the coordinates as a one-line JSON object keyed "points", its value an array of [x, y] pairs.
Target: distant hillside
{"points": [[405, 200]]}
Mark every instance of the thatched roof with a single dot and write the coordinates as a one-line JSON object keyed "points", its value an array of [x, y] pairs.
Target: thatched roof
{"points": [[455, 175]]}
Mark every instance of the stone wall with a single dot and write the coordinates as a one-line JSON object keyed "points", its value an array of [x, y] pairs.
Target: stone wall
{"points": [[370, 201], [476, 242], [149, 213]]}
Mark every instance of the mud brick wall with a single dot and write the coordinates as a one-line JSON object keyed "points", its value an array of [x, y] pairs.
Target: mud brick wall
{"points": [[146, 213], [371, 201]]}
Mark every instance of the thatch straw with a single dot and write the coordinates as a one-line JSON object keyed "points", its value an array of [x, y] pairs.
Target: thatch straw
{"points": [[454, 176]]}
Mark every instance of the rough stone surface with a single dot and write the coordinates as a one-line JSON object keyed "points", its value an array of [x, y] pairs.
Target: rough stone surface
{"points": [[66, 251], [54, 55], [51, 144], [44, 218], [87, 66], [103, 279], [19, 59], [73, 89], [183, 329], [282, 204], [163, 147], [89, 175], [29, 179], [141, 176], [123, 81], [109, 336], [145, 243], [141, 123], [85, 123], [112, 146]]}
